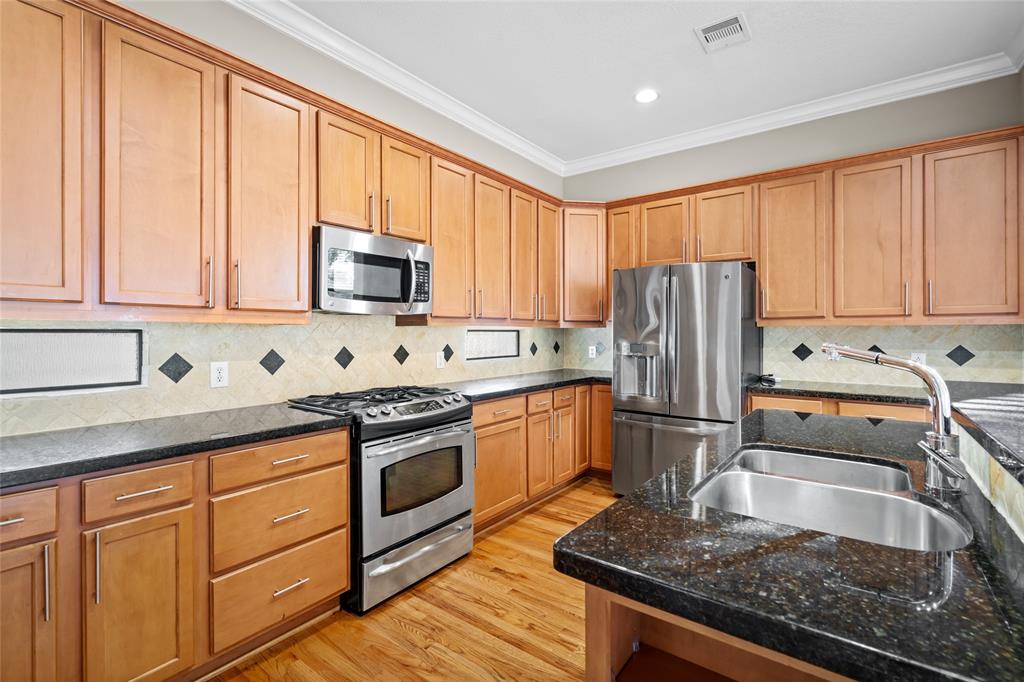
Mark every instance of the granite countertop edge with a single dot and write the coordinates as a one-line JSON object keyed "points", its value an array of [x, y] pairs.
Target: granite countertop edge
{"points": [[492, 388]]}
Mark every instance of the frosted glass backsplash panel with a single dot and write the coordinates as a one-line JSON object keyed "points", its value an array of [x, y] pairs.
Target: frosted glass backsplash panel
{"points": [[486, 344], [68, 359]]}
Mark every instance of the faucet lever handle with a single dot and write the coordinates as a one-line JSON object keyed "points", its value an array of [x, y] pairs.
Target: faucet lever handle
{"points": [[951, 466]]}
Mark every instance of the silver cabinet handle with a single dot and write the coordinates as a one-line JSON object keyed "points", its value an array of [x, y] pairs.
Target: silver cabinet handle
{"points": [[906, 298], [387, 568], [286, 460], [698, 248], [373, 206], [209, 288], [567, 397], [46, 582], [542, 306], [542, 402], [12, 522], [143, 493], [686, 250], [238, 284], [505, 411], [764, 304], [279, 519], [551, 425], [389, 213], [534, 306], [931, 298], [97, 567], [469, 304], [559, 422], [284, 590], [480, 294], [600, 309]]}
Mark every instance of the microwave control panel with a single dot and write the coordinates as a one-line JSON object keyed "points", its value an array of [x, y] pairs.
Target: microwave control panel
{"points": [[422, 290]]}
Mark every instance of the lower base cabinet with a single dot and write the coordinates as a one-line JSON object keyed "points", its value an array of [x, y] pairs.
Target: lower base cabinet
{"points": [[582, 448], [540, 430], [28, 622], [500, 468], [563, 454], [601, 428]]}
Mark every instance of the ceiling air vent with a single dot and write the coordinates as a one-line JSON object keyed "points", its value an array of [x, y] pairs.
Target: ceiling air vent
{"points": [[723, 33]]}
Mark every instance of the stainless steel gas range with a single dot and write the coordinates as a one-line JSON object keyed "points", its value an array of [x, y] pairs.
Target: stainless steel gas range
{"points": [[413, 485]]}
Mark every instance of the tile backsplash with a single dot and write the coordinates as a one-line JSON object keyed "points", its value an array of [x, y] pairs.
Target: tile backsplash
{"points": [[270, 363]]}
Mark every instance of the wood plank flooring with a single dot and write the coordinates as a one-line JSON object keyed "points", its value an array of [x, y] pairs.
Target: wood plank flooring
{"points": [[503, 612]]}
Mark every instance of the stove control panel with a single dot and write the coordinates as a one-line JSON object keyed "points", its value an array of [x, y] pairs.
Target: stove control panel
{"points": [[413, 408]]}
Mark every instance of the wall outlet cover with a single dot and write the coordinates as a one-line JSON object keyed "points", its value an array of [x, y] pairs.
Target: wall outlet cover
{"points": [[440, 359], [591, 351], [919, 357], [218, 374]]}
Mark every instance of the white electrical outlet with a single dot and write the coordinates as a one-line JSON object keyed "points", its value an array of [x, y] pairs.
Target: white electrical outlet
{"points": [[440, 359], [218, 374], [919, 357], [591, 351]]}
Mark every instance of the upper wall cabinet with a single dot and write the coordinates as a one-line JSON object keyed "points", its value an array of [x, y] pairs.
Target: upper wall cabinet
{"points": [[524, 256], [158, 173], [623, 242], [491, 209], [41, 144], [971, 230], [872, 239], [268, 198], [348, 177], [724, 225], [405, 183], [583, 246], [793, 252], [664, 231], [451, 231], [549, 262]]}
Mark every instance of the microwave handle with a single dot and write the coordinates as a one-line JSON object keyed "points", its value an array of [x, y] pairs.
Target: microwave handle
{"points": [[412, 280]]}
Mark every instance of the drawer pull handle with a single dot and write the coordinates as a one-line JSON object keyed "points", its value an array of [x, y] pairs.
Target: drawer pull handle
{"points": [[505, 411], [279, 519], [566, 397], [286, 460], [46, 583], [143, 493], [11, 522], [284, 590], [543, 402]]}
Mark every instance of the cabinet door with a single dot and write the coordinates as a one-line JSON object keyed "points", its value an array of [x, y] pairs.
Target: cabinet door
{"points": [[539, 434], [405, 182], [138, 578], [601, 428], [41, 139], [971, 230], [492, 249], [872, 239], [524, 256], [28, 620], [348, 173], [584, 254], [451, 233], [268, 194], [549, 262], [563, 455], [500, 468], [582, 444], [158, 175], [664, 231], [723, 223], [623, 240], [792, 230]]}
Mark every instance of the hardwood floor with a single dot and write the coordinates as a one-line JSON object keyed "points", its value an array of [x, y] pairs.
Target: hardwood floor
{"points": [[500, 613]]}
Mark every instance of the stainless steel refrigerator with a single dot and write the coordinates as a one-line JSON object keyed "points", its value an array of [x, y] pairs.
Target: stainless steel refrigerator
{"points": [[685, 346]]}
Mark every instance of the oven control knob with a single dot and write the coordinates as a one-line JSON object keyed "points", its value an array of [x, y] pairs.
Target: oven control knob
{"points": [[448, 399], [386, 409], [457, 397], [371, 412]]}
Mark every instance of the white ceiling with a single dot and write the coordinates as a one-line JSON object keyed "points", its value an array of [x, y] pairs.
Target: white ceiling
{"points": [[554, 80]]}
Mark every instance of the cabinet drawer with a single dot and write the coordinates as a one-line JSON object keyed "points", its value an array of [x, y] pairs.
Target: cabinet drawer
{"points": [[539, 402], [250, 600], [26, 515], [136, 491], [565, 397], [267, 462], [908, 413], [494, 411], [763, 402], [254, 522]]}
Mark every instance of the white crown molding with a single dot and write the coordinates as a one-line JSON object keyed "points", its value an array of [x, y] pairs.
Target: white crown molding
{"points": [[295, 22], [937, 80], [1016, 49]]}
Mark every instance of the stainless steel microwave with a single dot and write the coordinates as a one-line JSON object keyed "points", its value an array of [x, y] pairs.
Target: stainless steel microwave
{"points": [[357, 272]]}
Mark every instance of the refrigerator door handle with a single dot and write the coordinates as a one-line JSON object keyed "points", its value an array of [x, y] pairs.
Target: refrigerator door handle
{"points": [[673, 338]]}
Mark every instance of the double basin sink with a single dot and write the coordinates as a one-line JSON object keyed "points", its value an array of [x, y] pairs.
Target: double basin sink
{"points": [[850, 496]]}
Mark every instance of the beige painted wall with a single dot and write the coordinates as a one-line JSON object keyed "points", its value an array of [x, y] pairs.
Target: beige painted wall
{"points": [[991, 104]]}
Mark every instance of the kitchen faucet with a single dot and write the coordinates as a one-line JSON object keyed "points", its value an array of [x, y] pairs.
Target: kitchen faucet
{"points": [[944, 469]]}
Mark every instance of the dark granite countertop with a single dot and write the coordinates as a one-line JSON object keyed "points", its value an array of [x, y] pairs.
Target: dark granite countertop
{"points": [[48, 455], [849, 606], [502, 387]]}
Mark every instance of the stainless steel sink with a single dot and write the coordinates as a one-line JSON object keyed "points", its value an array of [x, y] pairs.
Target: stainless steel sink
{"points": [[845, 497]]}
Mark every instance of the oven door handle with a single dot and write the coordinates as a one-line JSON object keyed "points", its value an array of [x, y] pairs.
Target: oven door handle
{"points": [[387, 568], [418, 442], [412, 280]]}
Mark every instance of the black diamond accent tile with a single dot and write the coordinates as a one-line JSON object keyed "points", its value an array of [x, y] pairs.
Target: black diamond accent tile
{"points": [[802, 352], [804, 416], [557, 347], [448, 352], [401, 354], [344, 357], [960, 355], [175, 368], [875, 421], [875, 349], [533, 348], [272, 361]]}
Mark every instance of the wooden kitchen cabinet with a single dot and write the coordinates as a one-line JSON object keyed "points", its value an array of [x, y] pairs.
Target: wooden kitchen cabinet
{"points": [[405, 184], [452, 236], [41, 139], [585, 277], [348, 173], [872, 239], [268, 198], [971, 230], [623, 242], [491, 239], [563, 454], [540, 433], [500, 468], [549, 262], [665, 231], [793, 227], [138, 579], [158, 172], [523, 219], [28, 619], [601, 427], [723, 224], [582, 423]]}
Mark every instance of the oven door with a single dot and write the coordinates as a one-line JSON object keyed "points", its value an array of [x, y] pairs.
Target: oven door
{"points": [[364, 273], [415, 483]]}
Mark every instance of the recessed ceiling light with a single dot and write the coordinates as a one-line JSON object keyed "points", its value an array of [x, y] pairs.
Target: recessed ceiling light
{"points": [[646, 96]]}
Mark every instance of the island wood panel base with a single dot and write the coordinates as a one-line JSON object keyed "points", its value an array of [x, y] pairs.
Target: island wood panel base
{"points": [[617, 626]]}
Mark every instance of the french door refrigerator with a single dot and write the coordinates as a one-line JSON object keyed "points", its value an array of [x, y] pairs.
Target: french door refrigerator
{"points": [[685, 346]]}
